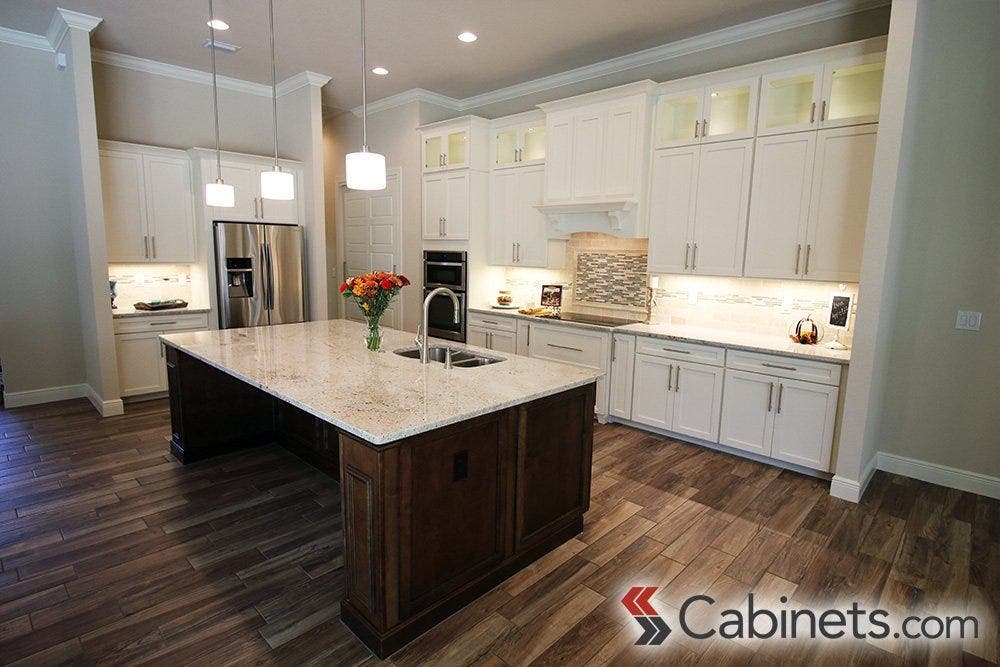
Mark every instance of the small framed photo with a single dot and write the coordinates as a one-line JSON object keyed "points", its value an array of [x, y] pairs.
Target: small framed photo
{"points": [[551, 296], [840, 310]]}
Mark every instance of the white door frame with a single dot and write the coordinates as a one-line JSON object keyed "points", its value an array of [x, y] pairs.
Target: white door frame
{"points": [[339, 222]]}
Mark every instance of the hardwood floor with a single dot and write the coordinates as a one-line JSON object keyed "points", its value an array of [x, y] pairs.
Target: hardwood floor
{"points": [[111, 552]]}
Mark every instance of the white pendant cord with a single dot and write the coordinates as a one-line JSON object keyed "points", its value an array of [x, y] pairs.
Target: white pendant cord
{"points": [[364, 88], [215, 91], [274, 93]]}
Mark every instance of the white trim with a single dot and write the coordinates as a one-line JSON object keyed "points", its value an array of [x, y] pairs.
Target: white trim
{"points": [[63, 20], [26, 39], [19, 399], [177, 72], [106, 408], [301, 80], [411, 95], [849, 489], [935, 473]]}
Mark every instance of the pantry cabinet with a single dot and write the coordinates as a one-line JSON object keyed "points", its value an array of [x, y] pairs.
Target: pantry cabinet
{"points": [[810, 204], [148, 203], [699, 197], [719, 112]]}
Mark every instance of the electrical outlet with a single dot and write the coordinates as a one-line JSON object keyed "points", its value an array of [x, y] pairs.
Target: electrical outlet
{"points": [[968, 320]]}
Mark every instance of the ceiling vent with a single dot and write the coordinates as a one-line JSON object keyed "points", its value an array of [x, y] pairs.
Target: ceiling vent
{"points": [[221, 46]]}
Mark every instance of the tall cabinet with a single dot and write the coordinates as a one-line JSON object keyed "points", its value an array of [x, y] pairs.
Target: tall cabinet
{"points": [[454, 189]]}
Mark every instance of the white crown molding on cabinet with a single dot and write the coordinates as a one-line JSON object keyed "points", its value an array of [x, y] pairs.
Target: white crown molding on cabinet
{"points": [[177, 72], [26, 39], [63, 20], [301, 80], [407, 96]]}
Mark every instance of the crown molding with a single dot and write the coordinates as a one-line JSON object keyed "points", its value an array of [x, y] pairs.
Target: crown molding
{"points": [[301, 80], [64, 19], [26, 39], [411, 95], [177, 72]]}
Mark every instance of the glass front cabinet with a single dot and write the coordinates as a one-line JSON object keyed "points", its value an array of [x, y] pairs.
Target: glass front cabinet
{"points": [[519, 145], [446, 151], [715, 113]]}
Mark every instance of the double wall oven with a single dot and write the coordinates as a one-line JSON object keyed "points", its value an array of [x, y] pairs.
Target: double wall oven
{"points": [[446, 268]]}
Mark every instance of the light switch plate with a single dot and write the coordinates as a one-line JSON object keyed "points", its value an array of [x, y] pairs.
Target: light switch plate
{"points": [[968, 320]]}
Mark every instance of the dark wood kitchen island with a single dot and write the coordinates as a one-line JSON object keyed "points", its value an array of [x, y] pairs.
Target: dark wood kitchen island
{"points": [[451, 479]]}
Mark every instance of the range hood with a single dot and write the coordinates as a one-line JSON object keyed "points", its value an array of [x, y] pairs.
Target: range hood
{"points": [[617, 217]]}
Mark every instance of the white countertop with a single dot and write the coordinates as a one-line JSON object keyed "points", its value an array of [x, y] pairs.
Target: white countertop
{"points": [[129, 311], [324, 369], [740, 340], [511, 312]]}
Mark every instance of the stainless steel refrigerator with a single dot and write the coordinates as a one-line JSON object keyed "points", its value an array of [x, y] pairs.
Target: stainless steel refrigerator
{"points": [[258, 274]]}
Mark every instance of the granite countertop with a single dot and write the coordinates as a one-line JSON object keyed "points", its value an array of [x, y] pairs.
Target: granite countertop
{"points": [[500, 312], [129, 311], [324, 369], [740, 340]]}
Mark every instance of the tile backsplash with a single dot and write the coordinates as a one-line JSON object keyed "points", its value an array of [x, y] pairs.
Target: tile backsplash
{"points": [[143, 282], [606, 275]]}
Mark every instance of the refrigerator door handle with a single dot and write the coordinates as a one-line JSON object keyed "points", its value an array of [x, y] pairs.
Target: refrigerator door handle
{"points": [[265, 276], [270, 279]]}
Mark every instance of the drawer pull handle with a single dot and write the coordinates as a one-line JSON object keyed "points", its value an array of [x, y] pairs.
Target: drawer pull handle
{"points": [[158, 324], [488, 322], [670, 349], [564, 347], [784, 368]]}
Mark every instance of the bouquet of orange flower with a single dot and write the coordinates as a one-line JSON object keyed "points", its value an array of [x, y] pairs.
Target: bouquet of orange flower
{"points": [[373, 292]]}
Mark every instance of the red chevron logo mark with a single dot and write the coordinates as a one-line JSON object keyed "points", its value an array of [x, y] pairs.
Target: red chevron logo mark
{"points": [[636, 601]]}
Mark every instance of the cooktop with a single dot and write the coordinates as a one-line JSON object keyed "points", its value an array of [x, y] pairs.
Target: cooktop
{"points": [[598, 320]]}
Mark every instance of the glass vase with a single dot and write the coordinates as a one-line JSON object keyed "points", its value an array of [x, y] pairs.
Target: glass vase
{"points": [[373, 341]]}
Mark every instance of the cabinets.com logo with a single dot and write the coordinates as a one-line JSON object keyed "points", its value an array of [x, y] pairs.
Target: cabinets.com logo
{"points": [[754, 622]]}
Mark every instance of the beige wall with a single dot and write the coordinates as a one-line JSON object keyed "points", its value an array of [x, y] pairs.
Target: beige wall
{"points": [[40, 341], [940, 396]]}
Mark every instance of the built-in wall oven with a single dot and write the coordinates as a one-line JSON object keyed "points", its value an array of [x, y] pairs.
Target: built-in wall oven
{"points": [[446, 268]]}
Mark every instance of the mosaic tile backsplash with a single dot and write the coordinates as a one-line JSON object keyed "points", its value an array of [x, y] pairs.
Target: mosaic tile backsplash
{"points": [[610, 279]]}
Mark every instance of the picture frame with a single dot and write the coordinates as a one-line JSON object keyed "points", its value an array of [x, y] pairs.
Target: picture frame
{"points": [[839, 316], [551, 296]]}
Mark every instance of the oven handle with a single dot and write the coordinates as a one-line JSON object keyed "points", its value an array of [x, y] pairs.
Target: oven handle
{"points": [[445, 263], [457, 289]]}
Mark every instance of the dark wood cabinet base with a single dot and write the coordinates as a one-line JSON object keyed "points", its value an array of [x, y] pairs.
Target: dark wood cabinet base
{"points": [[431, 521]]}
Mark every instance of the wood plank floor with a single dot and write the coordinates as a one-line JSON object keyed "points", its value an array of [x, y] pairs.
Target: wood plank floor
{"points": [[111, 552]]}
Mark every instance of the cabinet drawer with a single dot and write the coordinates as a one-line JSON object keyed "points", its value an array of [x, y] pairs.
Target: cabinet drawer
{"points": [[501, 322], [672, 349], [785, 367], [165, 322], [583, 348]]}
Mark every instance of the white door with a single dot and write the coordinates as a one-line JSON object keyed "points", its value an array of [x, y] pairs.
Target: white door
{"points": [[433, 201], [720, 219], [456, 213], [620, 150], [622, 371], [141, 368], [650, 396], [779, 208], [838, 211], [477, 336], [169, 208], [534, 243], [245, 178], [852, 90], [678, 119], [504, 209], [124, 209], [372, 239], [804, 417], [558, 159], [672, 208], [790, 100], [730, 111], [503, 341], [748, 412], [697, 402], [588, 158]]}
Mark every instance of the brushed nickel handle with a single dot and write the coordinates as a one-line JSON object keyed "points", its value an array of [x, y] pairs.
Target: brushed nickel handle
{"points": [[489, 322], [809, 248], [444, 159], [518, 245], [780, 387], [153, 239], [513, 252], [822, 116], [613, 342], [812, 114], [687, 251], [160, 324], [694, 257], [145, 246], [564, 347], [444, 221], [261, 208], [770, 393], [798, 253], [670, 377], [784, 368], [489, 338], [696, 129], [670, 349], [704, 129], [677, 380]]}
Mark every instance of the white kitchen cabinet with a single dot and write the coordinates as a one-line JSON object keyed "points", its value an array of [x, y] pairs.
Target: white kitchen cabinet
{"points": [[244, 176], [446, 201], [518, 144], [698, 208], [720, 112], [588, 166], [622, 373], [810, 204], [677, 396], [457, 143], [148, 204], [141, 366], [589, 348], [517, 228], [786, 419], [492, 339], [652, 391]]}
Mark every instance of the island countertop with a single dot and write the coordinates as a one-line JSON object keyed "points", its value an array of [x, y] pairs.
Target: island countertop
{"points": [[324, 369]]}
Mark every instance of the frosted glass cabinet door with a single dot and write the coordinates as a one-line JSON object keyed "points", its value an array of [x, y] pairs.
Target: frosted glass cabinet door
{"points": [[678, 119], [534, 144], [457, 153], [852, 91], [790, 101], [506, 147], [433, 153], [731, 111]]}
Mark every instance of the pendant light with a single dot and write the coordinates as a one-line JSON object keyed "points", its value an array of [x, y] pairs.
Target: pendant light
{"points": [[365, 171], [275, 184], [218, 193]]}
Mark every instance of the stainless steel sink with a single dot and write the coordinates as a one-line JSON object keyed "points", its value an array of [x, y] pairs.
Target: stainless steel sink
{"points": [[459, 358]]}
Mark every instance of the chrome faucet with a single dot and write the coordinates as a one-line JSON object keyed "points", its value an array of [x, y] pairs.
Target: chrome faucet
{"points": [[423, 326]]}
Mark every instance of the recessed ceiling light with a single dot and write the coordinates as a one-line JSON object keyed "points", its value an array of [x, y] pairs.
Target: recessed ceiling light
{"points": [[380, 71], [218, 24], [468, 36]]}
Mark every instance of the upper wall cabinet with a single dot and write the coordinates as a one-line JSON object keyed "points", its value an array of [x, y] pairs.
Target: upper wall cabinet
{"points": [[597, 146], [244, 176], [518, 141], [459, 143], [148, 203], [713, 113], [840, 92]]}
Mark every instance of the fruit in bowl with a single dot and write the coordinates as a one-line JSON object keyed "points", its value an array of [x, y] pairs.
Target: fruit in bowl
{"points": [[504, 298]]}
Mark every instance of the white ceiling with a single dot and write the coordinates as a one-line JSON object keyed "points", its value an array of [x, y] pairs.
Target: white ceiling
{"points": [[519, 40]]}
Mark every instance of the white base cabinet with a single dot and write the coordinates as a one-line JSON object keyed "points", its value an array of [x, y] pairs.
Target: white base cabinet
{"points": [[142, 368], [622, 370], [677, 396]]}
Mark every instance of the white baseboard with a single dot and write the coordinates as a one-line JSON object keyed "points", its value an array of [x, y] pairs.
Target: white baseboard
{"points": [[106, 408], [20, 399], [935, 473]]}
